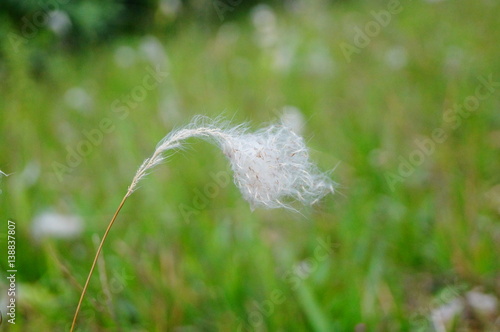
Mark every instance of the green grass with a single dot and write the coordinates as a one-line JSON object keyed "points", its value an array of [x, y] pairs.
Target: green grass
{"points": [[394, 250]]}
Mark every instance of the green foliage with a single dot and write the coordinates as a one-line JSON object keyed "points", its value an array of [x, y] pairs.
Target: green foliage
{"points": [[186, 252]]}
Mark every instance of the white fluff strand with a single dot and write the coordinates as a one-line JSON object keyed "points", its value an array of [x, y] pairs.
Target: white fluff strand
{"points": [[271, 166]]}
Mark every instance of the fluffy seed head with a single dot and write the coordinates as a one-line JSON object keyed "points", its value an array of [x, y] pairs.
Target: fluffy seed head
{"points": [[271, 166]]}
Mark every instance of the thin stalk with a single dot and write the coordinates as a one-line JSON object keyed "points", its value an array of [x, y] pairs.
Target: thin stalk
{"points": [[95, 261]]}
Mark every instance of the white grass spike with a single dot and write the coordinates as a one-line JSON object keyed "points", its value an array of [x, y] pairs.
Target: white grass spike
{"points": [[271, 166]]}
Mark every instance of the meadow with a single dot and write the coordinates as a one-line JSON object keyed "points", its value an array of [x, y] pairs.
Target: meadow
{"points": [[399, 100]]}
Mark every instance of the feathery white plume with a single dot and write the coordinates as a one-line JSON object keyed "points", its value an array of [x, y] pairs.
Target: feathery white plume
{"points": [[271, 166]]}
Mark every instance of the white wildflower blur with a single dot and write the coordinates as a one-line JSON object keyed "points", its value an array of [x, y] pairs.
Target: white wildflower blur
{"points": [[319, 61], [271, 166], [396, 57], [153, 51], [483, 305], [59, 22], [79, 99], [170, 8], [125, 56], [56, 225], [444, 316], [264, 21], [293, 118], [30, 174]]}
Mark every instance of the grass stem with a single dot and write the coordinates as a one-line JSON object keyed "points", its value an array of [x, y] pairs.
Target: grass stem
{"points": [[99, 249]]}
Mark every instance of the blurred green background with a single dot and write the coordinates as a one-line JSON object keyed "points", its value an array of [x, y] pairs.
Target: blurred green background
{"points": [[390, 94]]}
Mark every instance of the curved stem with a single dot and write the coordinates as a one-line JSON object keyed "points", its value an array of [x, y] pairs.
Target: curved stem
{"points": [[95, 261]]}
